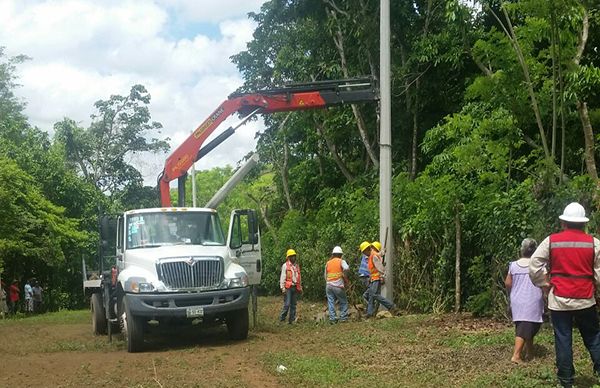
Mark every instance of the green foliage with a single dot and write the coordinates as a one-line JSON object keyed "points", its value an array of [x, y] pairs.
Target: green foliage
{"points": [[312, 370], [34, 229], [118, 129], [480, 101]]}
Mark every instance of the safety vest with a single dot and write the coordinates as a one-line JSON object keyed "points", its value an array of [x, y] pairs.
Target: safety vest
{"points": [[288, 275], [363, 270], [572, 264], [334, 269], [372, 269]]}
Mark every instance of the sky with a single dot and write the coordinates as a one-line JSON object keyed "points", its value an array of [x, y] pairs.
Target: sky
{"points": [[83, 51]]}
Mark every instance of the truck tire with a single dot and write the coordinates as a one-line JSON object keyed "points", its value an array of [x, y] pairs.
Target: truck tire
{"points": [[237, 324], [99, 325], [133, 329]]}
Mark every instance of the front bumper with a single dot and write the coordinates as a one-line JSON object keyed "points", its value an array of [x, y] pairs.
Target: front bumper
{"points": [[155, 305]]}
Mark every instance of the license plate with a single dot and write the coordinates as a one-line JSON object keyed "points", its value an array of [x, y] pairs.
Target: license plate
{"points": [[194, 312]]}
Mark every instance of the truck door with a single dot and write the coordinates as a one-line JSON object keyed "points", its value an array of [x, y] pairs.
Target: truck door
{"points": [[244, 242]]}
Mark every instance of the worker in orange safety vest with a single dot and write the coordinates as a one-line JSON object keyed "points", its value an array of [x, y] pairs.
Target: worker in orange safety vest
{"points": [[290, 283], [377, 270], [336, 279]]}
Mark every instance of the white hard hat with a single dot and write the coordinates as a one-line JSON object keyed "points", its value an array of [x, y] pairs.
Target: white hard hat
{"points": [[574, 212], [337, 249]]}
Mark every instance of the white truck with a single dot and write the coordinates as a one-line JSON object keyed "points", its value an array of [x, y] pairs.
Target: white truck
{"points": [[176, 265]]}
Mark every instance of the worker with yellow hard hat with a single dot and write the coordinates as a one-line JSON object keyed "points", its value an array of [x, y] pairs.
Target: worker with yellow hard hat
{"points": [[377, 275], [290, 283]]}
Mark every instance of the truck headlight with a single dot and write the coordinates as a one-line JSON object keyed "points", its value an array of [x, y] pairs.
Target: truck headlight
{"points": [[240, 280], [138, 285]]}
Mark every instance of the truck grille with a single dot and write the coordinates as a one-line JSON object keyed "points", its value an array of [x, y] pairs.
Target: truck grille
{"points": [[191, 272]]}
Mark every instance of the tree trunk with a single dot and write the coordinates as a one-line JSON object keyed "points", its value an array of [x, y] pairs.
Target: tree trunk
{"points": [[283, 167], [338, 40], [555, 63], [284, 174], [333, 151], [588, 135], [588, 131], [457, 262], [510, 33], [561, 93], [264, 214], [320, 153], [415, 134]]}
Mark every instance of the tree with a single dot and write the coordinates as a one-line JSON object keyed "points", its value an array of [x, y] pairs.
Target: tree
{"points": [[117, 130], [33, 230], [11, 109]]}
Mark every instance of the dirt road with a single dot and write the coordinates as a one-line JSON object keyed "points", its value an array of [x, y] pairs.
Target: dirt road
{"points": [[59, 350]]}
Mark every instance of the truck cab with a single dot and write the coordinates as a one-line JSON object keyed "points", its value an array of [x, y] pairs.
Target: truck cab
{"points": [[175, 265]]}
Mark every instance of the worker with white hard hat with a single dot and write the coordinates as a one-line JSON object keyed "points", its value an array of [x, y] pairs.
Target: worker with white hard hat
{"points": [[569, 264], [336, 280], [290, 282]]}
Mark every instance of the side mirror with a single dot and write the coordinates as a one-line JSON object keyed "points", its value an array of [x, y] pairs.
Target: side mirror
{"points": [[105, 234], [105, 229]]}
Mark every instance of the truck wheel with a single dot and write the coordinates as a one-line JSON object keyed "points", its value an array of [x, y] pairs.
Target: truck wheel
{"points": [[237, 324], [98, 317], [133, 329]]}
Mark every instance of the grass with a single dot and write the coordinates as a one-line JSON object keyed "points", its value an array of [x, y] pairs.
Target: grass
{"points": [[307, 370], [62, 317], [413, 350]]}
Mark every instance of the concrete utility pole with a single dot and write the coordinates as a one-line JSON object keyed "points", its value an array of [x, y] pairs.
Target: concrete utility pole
{"points": [[232, 182], [385, 148]]}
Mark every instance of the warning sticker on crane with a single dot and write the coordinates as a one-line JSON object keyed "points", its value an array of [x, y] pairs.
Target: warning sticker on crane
{"points": [[200, 130]]}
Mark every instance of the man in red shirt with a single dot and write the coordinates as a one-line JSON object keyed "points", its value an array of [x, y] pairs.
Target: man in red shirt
{"points": [[13, 296]]}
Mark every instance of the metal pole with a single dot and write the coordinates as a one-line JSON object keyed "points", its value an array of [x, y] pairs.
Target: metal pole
{"points": [[385, 147], [232, 182]]}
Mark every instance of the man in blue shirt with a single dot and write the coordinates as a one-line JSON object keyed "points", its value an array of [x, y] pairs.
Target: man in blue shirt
{"points": [[363, 271]]}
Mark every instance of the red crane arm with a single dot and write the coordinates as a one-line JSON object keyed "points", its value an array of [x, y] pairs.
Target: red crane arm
{"points": [[295, 97]]}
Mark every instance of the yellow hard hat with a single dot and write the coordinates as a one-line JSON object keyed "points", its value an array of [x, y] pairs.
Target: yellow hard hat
{"points": [[290, 252], [364, 245], [376, 245]]}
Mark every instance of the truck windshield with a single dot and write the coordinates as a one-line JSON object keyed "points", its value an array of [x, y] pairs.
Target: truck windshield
{"points": [[147, 230]]}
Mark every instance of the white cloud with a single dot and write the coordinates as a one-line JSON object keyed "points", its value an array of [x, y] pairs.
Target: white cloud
{"points": [[84, 50], [210, 10]]}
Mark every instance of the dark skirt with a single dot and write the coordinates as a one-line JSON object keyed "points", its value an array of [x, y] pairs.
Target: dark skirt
{"points": [[527, 330]]}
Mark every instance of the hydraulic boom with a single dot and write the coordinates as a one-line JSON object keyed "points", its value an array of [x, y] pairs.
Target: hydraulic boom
{"points": [[291, 97]]}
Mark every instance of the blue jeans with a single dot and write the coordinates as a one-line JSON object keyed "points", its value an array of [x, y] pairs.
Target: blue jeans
{"points": [[373, 294], [333, 294], [587, 322], [289, 303]]}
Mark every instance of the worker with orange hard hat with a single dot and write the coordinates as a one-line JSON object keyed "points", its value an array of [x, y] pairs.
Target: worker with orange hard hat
{"points": [[290, 283]]}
